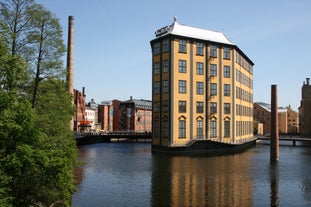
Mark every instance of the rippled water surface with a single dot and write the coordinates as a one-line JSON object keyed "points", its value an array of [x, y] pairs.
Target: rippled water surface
{"points": [[127, 174]]}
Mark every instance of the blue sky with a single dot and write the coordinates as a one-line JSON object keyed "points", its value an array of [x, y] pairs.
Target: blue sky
{"points": [[112, 54]]}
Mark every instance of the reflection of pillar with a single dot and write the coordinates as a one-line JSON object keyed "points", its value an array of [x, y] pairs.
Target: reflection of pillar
{"points": [[274, 145], [274, 184]]}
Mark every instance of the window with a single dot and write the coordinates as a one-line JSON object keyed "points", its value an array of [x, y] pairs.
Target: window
{"points": [[165, 106], [200, 89], [213, 108], [165, 86], [200, 47], [182, 86], [157, 68], [213, 51], [200, 70], [156, 106], [199, 129], [183, 46], [156, 87], [227, 90], [165, 66], [165, 46], [213, 89], [165, 129], [227, 108], [227, 71], [227, 53], [182, 107], [182, 66], [200, 107], [182, 128], [156, 128], [213, 70], [227, 129], [156, 49], [213, 128]]}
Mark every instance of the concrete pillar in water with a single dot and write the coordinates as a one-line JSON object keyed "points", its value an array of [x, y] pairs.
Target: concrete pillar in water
{"points": [[274, 142]]}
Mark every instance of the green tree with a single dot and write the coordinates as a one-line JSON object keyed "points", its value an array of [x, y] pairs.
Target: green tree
{"points": [[15, 21], [37, 150], [46, 43]]}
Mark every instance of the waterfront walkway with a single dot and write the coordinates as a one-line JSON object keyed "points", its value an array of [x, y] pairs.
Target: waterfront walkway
{"points": [[116, 136], [287, 138]]}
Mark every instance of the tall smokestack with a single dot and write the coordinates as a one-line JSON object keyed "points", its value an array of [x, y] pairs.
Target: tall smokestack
{"points": [[70, 55], [69, 78]]}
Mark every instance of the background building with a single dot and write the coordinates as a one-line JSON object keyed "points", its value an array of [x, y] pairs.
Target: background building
{"points": [[109, 115], [305, 109], [202, 88], [136, 115], [288, 118], [80, 113]]}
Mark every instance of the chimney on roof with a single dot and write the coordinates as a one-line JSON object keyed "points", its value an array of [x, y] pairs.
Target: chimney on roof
{"points": [[83, 91], [308, 79]]}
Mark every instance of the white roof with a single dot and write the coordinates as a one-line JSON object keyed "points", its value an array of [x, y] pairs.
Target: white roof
{"points": [[193, 32]]}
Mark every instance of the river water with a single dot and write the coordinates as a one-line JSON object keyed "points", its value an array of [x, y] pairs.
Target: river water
{"points": [[128, 174]]}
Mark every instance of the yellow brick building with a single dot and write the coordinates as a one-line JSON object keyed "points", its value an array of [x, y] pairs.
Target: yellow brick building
{"points": [[202, 88]]}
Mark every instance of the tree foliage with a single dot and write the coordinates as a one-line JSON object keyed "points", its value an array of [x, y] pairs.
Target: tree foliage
{"points": [[37, 149]]}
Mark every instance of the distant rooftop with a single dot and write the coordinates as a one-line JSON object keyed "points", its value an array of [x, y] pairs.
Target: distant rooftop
{"points": [[193, 32], [267, 107]]}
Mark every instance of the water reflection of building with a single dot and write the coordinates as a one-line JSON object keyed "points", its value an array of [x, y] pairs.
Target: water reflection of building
{"points": [[202, 181]]}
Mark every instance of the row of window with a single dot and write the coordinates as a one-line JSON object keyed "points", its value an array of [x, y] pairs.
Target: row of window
{"points": [[244, 95], [244, 128], [182, 128], [182, 107], [241, 61], [244, 110], [182, 68], [242, 78], [182, 48], [182, 88]]}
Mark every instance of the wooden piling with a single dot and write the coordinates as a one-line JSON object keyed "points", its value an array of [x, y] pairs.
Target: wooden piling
{"points": [[274, 146]]}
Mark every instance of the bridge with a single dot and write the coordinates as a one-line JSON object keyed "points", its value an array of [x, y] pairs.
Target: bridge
{"points": [[288, 138], [116, 136]]}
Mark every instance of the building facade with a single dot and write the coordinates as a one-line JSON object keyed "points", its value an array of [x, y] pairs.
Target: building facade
{"points": [[305, 109], [202, 88], [288, 118], [80, 113], [109, 115], [136, 115]]}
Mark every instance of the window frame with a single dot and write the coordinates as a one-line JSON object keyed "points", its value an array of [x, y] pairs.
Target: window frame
{"points": [[200, 48], [200, 88], [227, 90], [227, 71], [182, 106], [213, 70], [182, 66], [199, 68], [182, 129], [182, 86], [182, 46]]}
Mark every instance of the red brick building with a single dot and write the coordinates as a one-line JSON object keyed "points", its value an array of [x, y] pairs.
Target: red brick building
{"points": [[108, 115], [80, 114], [136, 115]]}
